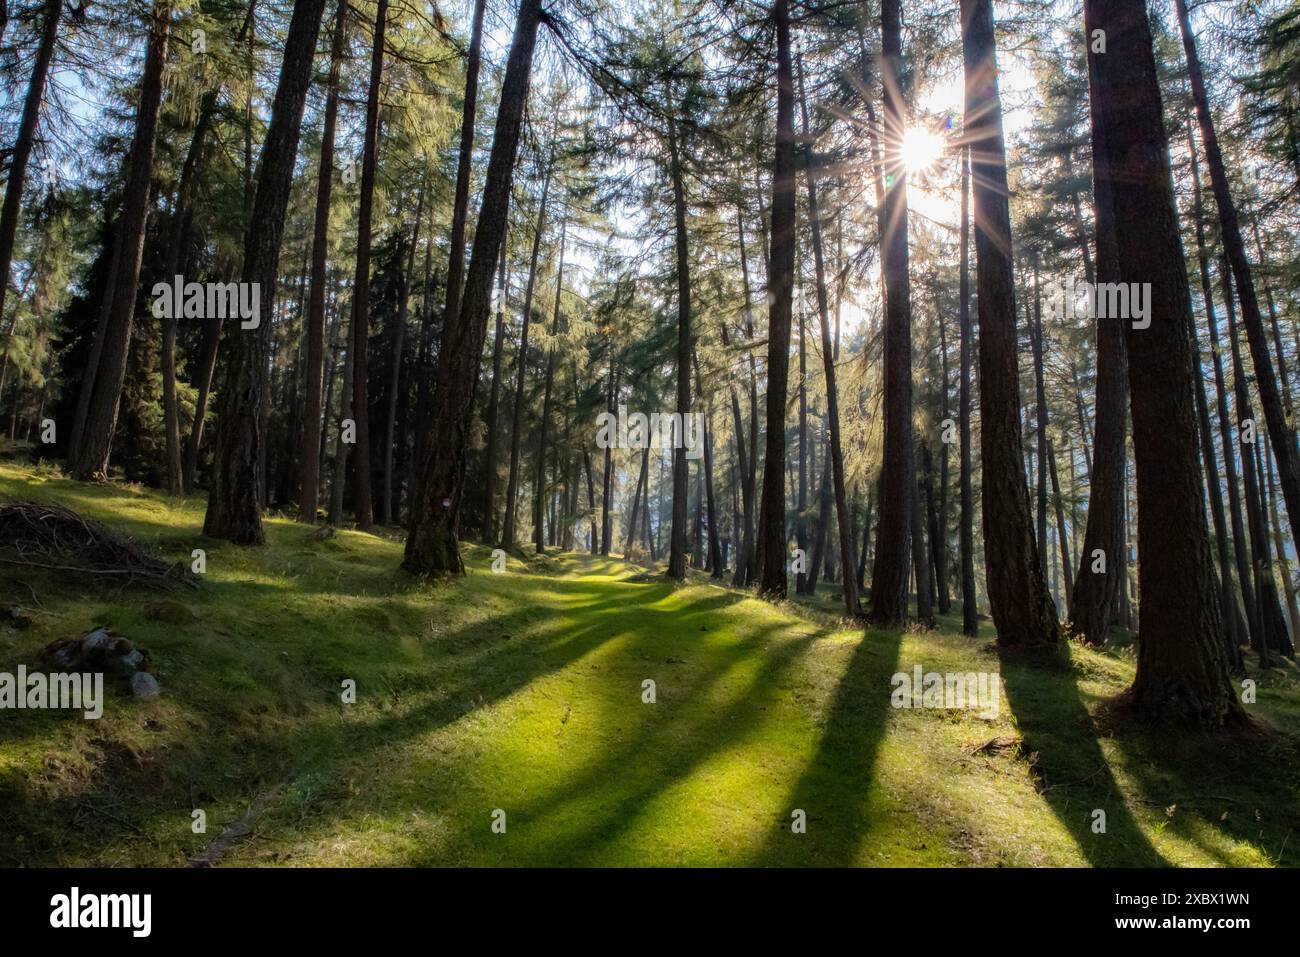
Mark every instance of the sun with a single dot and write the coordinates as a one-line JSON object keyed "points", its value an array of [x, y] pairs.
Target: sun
{"points": [[922, 148]]}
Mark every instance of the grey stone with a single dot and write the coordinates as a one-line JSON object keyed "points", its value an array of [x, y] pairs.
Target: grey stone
{"points": [[144, 685]]}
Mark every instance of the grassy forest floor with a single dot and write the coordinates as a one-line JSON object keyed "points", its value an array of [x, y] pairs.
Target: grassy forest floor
{"points": [[522, 691]]}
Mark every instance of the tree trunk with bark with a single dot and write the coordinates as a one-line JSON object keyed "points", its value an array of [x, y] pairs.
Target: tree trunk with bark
{"points": [[521, 362], [464, 163], [362, 498], [771, 522], [309, 493], [539, 489], [11, 212], [1182, 675], [431, 546], [233, 511], [388, 514], [1237, 632], [1022, 608], [493, 410], [1273, 634], [96, 439], [1280, 428], [677, 544], [898, 485], [969, 609]]}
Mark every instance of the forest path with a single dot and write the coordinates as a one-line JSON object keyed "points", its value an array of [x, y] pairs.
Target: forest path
{"points": [[520, 699]]}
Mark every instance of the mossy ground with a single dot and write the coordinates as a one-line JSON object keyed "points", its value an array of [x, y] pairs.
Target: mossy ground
{"points": [[522, 691]]}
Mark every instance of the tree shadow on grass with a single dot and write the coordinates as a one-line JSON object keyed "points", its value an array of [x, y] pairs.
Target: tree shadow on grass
{"points": [[612, 793], [1075, 778], [1220, 791], [237, 763], [834, 790]]}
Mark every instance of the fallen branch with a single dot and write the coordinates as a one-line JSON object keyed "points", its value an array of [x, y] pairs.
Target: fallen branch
{"points": [[58, 539]]}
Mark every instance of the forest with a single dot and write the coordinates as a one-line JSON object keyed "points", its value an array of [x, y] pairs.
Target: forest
{"points": [[383, 386]]}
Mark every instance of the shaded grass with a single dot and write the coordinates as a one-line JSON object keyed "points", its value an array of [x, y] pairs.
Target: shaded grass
{"points": [[523, 692]]}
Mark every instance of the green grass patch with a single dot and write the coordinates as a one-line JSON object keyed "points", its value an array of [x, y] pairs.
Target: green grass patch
{"points": [[523, 692]]}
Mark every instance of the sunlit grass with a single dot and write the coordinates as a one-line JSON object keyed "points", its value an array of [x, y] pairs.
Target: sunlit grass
{"points": [[523, 692]]}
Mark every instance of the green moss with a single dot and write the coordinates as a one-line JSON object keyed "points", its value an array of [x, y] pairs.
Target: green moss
{"points": [[522, 691]]}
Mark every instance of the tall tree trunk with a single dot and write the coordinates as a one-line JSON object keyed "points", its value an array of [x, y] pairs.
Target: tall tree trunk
{"points": [[829, 355], [866, 537], [309, 496], [920, 556], [11, 212], [745, 556], [969, 610], [933, 527], [1040, 419], [824, 504], [521, 361], [96, 440], [1273, 626], [464, 163], [1280, 429], [177, 241], [1062, 541], [1283, 376], [645, 518], [1103, 562], [539, 490], [711, 510], [629, 537], [607, 476], [233, 511], [342, 449], [939, 538], [1240, 542], [1283, 566], [362, 498], [742, 533], [1182, 676], [591, 504], [677, 545], [802, 464], [898, 488], [493, 410], [431, 546], [87, 386], [771, 521], [389, 515], [1022, 608], [206, 370], [1237, 631]]}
